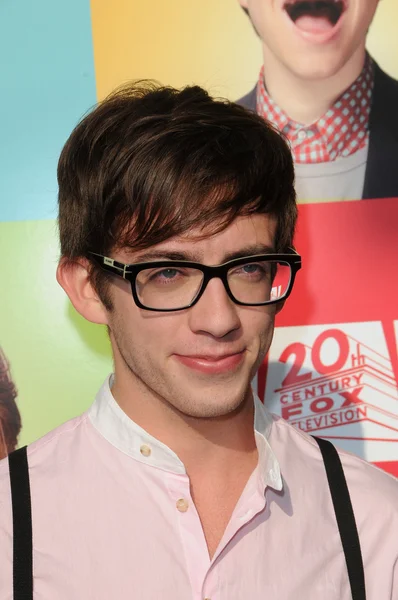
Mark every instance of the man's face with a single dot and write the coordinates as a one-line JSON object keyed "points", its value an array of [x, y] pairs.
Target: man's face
{"points": [[312, 39], [199, 360]]}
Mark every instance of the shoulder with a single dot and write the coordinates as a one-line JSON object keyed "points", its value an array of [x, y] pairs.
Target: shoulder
{"points": [[383, 81], [369, 486], [48, 450], [45, 457], [249, 100], [385, 99], [373, 494]]}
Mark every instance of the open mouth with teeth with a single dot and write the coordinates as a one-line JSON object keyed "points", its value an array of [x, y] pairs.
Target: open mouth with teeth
{"points": [[315, 14]]}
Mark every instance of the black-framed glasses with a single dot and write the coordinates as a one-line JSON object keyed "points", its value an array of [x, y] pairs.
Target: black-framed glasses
{"points": [[171, 285]]}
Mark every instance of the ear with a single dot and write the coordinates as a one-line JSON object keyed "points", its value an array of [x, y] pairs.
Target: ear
{"points": [[243, 3], [74, 278]]}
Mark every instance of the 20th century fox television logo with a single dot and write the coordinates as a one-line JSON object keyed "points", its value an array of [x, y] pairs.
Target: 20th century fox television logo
{"points": [[336, 382]]}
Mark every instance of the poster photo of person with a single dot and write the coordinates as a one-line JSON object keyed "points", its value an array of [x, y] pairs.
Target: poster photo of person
{"points": [[10, 420], [320, 86]]}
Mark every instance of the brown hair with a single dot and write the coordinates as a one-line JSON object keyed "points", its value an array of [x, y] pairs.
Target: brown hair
{"points": [[152, 162], [10, 420]]}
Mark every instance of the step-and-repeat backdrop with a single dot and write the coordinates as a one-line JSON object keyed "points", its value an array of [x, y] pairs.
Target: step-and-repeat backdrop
{"points": [[333, 366]]}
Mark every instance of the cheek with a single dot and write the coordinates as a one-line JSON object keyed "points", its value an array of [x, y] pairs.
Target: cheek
{"points": [[364, 18], [370, 15], [262, 18], [370, 6], [158, 335], [147, 332], [259, 322]]}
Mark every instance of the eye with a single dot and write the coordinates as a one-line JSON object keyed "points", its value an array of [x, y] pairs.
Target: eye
{"points": [[172, 277], [252, 268], [164, 275], [167, 273]]}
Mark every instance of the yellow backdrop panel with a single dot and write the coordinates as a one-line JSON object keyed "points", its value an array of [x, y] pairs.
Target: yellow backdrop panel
{"points": [[210, 42]]}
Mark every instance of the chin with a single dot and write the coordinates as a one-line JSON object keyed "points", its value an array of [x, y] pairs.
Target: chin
{"points": [[313, 67], [214, 404], [212, 411]]}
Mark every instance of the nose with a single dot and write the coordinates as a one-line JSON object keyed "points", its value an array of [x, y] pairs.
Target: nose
{"points": [[215, 313]]}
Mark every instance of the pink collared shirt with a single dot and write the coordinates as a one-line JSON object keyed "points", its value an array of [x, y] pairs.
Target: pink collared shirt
{"points": [[113, 519]]}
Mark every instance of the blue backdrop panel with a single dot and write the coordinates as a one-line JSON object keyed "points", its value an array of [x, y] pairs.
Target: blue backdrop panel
{"points": [[47, 82]]}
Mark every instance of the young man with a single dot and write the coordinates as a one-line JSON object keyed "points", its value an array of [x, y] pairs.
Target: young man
{"points": [[176, 221], [320, 87]]}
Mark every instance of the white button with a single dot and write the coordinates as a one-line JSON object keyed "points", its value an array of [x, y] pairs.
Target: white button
{"points": [[145, 450], [302, 134], [182, 505]]}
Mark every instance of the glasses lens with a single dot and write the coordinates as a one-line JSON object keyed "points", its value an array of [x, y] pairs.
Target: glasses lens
{"points": [[168, 288], [259, 282]]}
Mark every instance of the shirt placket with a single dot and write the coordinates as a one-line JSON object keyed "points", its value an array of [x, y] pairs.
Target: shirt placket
{"points": [[251, 503], [191, 534]]}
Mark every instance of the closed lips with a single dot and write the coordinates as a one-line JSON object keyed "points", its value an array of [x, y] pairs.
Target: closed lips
{"points": [[212, 358]]}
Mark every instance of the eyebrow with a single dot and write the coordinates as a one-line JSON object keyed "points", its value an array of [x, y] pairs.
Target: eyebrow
{"points": [[251, 250]]}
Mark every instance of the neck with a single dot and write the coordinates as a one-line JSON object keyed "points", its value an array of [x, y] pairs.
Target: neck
{"points": [[307, 100], [204, 445]]}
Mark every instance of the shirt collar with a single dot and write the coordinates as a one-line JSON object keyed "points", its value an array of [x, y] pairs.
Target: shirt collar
{"points": [[349, 114], [122, 432]]}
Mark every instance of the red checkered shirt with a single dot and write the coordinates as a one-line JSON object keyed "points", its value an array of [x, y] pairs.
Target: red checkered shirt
{"points": [[341, 131]]}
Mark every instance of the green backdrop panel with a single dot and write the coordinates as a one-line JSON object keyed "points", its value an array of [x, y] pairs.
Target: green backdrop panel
{"points": [[57, 359]]}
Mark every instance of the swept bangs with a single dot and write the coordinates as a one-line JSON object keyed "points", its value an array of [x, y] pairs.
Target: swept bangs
{"points": [[150, 163]]}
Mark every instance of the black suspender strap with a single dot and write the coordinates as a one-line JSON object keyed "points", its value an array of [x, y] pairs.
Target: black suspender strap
{"points": [[345, 518], [22, 524]]}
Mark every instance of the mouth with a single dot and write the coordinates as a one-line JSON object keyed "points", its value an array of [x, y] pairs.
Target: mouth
{"points": [[212, 364], [213, 357], [315, 15]]}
